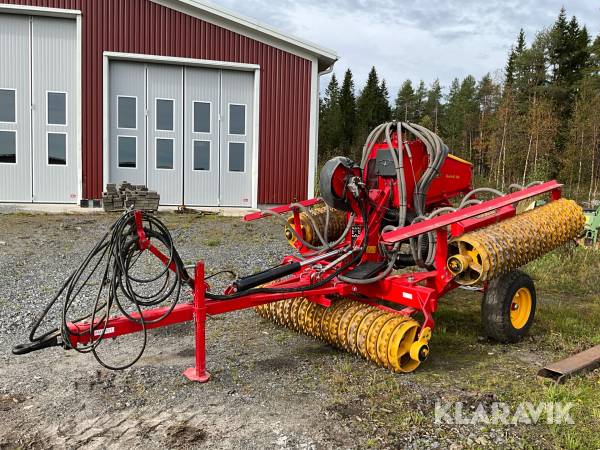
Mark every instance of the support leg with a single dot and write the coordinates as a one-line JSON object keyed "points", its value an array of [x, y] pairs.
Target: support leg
{"points": [[199, 373]]}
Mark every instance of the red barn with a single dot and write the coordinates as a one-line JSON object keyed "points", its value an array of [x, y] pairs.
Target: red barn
{"points": [[206, 107]]}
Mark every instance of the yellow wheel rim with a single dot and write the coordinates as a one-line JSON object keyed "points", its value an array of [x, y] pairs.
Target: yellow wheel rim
{"points": [[520, 308]]}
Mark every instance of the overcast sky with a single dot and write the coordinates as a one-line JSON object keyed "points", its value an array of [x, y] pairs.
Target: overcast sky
{"points": [[415, 39]]}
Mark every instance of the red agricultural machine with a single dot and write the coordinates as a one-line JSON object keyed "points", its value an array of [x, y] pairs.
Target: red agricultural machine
{"points": [[374, 254]]}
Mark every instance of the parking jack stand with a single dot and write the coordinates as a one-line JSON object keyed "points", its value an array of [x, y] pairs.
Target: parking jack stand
{"points": [[198, 372]]}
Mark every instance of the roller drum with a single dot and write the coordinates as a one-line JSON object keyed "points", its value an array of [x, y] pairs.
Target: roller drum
{"points": [[487, 253], [383, 337]]}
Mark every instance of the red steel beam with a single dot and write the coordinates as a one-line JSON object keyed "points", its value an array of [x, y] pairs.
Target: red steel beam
{"points": [[426, 226], [280, 209]]}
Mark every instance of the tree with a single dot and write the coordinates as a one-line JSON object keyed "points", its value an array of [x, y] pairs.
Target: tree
{"points": [[347, 114], [404, 106], [568, 56], [433, 105], [420, 99], [488, 95], [384, 112], [372, 104], [453, 120], [509, 70], [330, 124]]}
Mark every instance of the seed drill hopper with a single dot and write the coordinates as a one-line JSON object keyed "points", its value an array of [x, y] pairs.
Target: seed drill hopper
{"points": [[373, 256]]}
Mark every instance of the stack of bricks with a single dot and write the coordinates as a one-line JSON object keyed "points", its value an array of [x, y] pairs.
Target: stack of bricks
{"points": [[117, 197]]}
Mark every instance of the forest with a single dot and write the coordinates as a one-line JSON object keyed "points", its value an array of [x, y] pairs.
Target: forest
{"points": [[538, 119]]}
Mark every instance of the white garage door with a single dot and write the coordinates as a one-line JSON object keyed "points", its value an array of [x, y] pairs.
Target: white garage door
{"points": [[38, 109], [185, 132]]}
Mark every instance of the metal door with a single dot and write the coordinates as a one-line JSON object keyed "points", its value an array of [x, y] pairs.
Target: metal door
{"points": [[54, 69], [237, 99], [127, 118], [165, 132], [15, 101], [201, 173]]}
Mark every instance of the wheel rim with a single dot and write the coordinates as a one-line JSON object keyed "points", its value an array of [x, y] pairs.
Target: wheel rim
{"points": [[520, 308]]}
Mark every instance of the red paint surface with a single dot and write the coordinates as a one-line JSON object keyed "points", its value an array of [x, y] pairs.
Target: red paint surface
{"points": [[140, 26]]}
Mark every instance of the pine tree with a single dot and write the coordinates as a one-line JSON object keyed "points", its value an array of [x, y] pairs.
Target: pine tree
{"points": [[420, 98], [384, 112], [488, 94], [433, 105], [509, 70], [368, 105], [453, 119], [348, 114], [469, 109], [330, 124], [404, 106]]}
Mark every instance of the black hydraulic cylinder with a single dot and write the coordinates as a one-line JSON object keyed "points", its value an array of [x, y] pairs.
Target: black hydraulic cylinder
{"points": [[274, 273]]}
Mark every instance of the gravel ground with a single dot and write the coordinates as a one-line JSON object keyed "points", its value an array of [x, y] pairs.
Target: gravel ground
{"points": [[270, 388]]}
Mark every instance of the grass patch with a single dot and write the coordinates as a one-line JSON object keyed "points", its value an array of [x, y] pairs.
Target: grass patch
{"points": [[465, 366], [569, 271]]}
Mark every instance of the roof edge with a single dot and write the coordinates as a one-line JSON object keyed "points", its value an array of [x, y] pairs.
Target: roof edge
{"points": [[324, 55]]}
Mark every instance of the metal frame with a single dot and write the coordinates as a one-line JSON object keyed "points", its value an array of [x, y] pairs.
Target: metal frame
{"points": [[417, 291]]}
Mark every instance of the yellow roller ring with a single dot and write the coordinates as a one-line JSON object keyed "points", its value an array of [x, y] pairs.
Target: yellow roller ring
{"points": [[259, 310], [278, 308], [270, 307], [383, 340], [336, 317], [345, 322], [310, 318], [374, 335], [355, 322], [399, 347], [287, 312], [318, 319], [362, 334], [302, 315], [326, 320], [294, 313]]}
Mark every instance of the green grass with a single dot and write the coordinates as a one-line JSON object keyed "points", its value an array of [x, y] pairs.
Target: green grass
{"points": [[465, 366]]}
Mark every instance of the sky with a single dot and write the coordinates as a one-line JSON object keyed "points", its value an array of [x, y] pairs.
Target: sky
{"points": [[414, 39]]}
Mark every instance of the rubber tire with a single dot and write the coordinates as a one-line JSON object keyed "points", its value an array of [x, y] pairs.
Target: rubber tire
{"points": [[495, 309]]}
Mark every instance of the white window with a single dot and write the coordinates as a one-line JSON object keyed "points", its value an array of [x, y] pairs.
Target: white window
{"points": [[8, 147], [165, 113], [201, 155], [57, 149], [164, 153], [127, 112], [237, 157], [127, 152], [202, 117], [57, 108], [237, 119], [8, 105]]}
